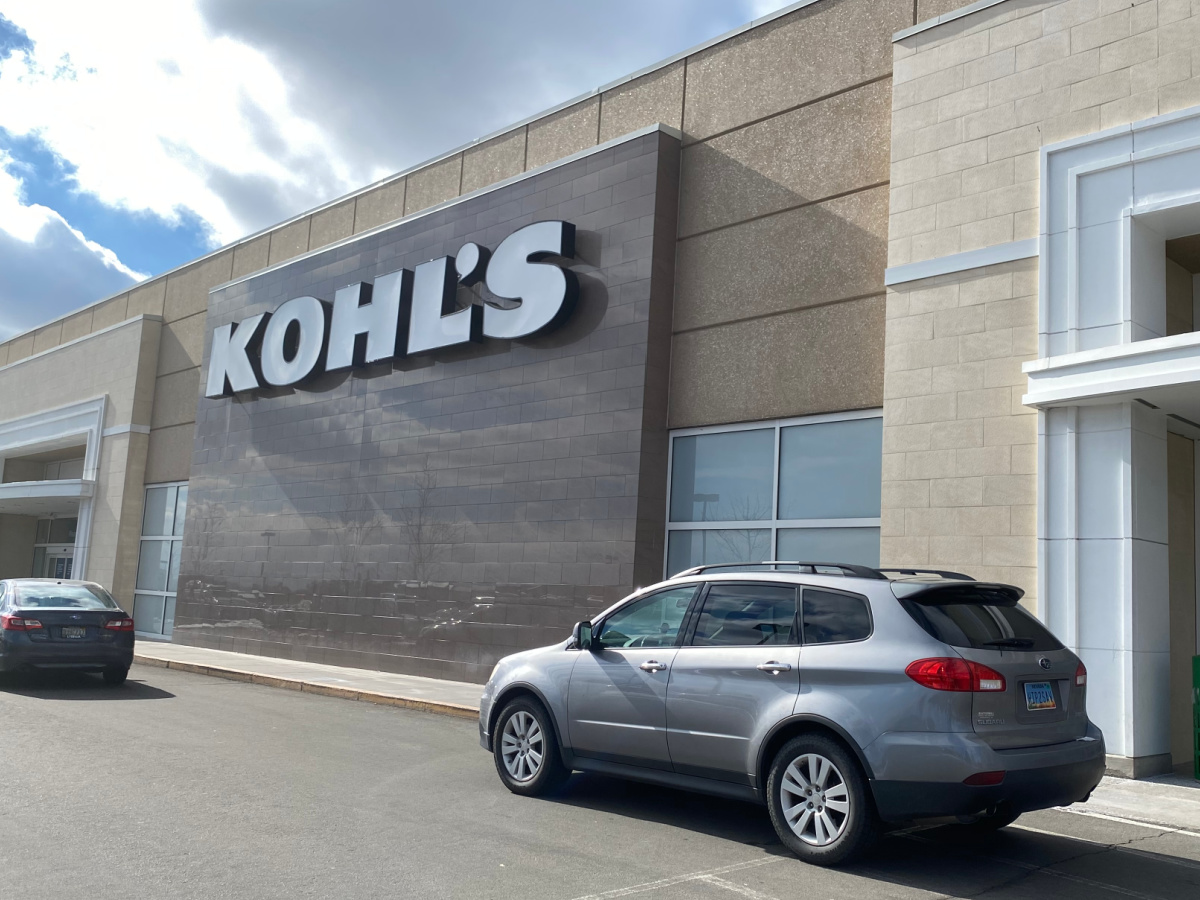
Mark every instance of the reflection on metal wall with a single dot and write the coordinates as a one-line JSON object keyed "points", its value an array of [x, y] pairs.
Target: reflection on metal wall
{"points": [[433, 513]]}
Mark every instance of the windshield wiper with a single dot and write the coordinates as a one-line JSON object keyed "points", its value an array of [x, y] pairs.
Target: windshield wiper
{"points": [[1025, 643]]}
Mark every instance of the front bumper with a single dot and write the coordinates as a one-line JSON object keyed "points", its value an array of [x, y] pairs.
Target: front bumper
{"points": [[1035, 778]]}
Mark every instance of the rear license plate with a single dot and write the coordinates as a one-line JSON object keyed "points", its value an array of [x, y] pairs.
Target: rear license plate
{"points": [[73, 631], [1039, 695]]}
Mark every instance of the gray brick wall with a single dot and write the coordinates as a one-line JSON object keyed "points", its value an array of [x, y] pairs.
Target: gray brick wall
{"points": [[437, 514]]}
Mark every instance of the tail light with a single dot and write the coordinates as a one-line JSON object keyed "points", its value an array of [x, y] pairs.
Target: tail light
{"points": [[1081, 675], [119, 624], [985, 779], [17, 623], [949, 673]]}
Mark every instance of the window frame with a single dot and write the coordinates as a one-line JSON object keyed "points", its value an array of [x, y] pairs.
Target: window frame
{"points": [[866, 601], [774, 524], [684, 625], [177, 546], [693, 619]]}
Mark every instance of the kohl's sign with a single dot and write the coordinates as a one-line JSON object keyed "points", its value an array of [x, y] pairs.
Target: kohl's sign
{"points": [[404, 312]]}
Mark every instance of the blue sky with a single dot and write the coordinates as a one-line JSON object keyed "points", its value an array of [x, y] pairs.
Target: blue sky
{"points": [[128, 149]]}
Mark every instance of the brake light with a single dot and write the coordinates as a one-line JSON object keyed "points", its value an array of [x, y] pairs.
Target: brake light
{"points": [[17, 623], [1081, 675], [119, 624], [984, 779], [950, 673]]}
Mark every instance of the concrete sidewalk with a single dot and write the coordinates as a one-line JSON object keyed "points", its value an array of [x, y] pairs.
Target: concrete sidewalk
{"points": [[454, 698], [1170, 802]]}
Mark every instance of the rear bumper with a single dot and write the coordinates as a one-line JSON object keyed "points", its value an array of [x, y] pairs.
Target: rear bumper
{"points": [[87, 656], [1034, 779]]}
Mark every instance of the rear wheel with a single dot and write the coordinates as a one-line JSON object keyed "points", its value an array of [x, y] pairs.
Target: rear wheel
{"points": [[819, 802], [525, 749], [116, 674]]}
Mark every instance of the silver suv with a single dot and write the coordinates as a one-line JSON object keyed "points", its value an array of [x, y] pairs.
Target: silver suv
{"points": [[847, 699]]}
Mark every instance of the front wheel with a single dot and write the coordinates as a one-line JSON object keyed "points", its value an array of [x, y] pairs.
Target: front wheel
{"points": [[526, 750], [819, 801]]}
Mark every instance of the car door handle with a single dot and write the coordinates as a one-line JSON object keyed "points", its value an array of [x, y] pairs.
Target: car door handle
{"points": [[774, 667], [652, 665]]}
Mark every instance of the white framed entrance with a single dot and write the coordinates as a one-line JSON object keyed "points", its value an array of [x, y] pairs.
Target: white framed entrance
{"points": [[67, 428], [1118, 384]]}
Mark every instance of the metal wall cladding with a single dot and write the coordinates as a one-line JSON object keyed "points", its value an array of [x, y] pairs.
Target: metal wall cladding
{"points": [[433, 515]]}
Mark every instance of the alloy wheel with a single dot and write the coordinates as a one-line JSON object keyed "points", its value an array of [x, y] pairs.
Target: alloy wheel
{"points": [[522, 746], [815, 799]]}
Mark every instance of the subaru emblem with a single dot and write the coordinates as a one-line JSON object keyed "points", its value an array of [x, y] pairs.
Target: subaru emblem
{"points": [[75, 618], [1045, 663]]}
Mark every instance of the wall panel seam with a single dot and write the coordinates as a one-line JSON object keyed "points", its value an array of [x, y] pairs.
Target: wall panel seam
{"points": [[791, 109], [777, 212], [780, 312]]}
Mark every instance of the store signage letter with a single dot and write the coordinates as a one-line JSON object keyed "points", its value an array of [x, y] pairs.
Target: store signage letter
{"points": [[401, 313]]}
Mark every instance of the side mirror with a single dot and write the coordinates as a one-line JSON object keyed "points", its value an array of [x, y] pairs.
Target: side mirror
{"points": [[581, 636]]}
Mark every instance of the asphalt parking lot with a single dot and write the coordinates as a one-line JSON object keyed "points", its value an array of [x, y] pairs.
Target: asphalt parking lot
{"points": [[181, 786]]}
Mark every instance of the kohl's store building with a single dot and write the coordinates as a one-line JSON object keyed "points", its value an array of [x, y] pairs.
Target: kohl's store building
{"points": [[866, 280]]}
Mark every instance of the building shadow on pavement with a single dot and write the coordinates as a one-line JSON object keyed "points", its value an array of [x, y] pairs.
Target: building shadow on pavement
{"points": [[67, 685], [948, 861]]}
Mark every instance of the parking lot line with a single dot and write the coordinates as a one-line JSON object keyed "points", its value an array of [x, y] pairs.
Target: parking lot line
{"points": [[736, 888], [1122, 820], [1046, 870], [707, 875]]}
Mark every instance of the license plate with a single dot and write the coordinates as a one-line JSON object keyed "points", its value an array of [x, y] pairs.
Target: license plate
{"points": [[1039, 695], [73, 631]]}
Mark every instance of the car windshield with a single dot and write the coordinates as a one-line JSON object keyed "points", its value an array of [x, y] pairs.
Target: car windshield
{"points": [[980, 620], [63, 596]]}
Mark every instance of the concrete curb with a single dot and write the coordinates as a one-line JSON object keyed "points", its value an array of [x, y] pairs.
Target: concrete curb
{"points": [[437, 707]]}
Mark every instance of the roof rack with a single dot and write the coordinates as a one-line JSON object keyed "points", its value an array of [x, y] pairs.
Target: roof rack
{"points": [[844, 569], [959, 576]]}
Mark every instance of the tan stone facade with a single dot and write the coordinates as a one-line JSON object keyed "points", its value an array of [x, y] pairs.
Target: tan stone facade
{"points": [[959, 448], [974, 101], [781, 244]]}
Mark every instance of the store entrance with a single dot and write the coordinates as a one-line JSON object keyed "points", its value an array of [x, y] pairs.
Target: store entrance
{"points": [[55, 562], [54, 548]]}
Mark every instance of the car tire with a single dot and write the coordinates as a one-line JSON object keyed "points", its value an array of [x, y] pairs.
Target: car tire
{"points": [[819, 801], [116, 675], [525, 749]]}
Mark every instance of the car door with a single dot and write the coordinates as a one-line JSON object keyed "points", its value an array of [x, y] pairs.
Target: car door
{"points": [[737, 674], [616, 700]]}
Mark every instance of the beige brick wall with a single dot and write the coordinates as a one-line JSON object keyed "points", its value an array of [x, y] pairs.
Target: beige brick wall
{"points": [[975, 99], [959, 449], [118, 364]]}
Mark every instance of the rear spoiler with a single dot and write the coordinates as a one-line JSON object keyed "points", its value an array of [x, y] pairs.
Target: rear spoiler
{"points": [[936, 593]]}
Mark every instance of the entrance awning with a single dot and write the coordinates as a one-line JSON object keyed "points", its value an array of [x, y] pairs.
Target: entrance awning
{"points": [[45, 498]]}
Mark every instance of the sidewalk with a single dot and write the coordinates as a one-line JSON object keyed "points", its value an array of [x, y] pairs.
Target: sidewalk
{"points": [[1170, 801], [452, 698]]}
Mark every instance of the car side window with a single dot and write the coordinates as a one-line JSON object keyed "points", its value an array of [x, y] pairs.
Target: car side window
{"points": [[652, 621], [747, 615], [831, 617]]}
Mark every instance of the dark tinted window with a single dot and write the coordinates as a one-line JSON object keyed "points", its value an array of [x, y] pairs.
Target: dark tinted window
{"points": [[981, 620], [746, 615], [60, 596], [831, 617]]}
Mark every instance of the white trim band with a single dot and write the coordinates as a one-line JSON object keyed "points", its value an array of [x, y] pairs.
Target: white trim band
{"points": [[961, 262], [125, 429]]}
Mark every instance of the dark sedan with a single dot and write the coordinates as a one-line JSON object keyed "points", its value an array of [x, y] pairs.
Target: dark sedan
{"points": [[48, 624]]}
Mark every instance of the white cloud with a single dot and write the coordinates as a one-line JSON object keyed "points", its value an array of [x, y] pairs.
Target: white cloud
{"points": [[26, 222], [151, 110]]}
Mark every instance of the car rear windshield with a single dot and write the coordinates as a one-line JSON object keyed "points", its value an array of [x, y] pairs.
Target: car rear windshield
{"points": [[980, 619], [63, 596]]}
